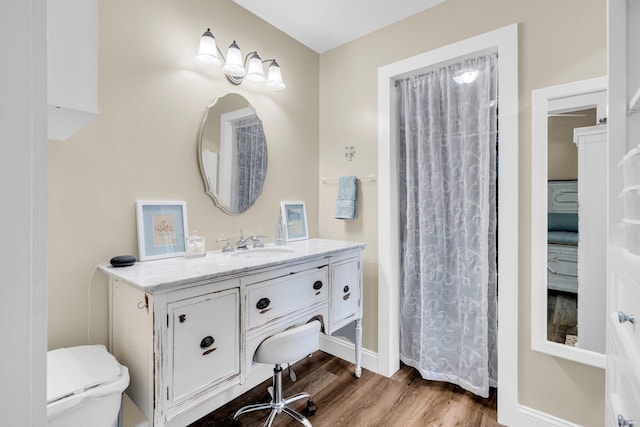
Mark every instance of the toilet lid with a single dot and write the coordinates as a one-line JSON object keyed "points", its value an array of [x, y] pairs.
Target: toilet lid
{"points": [[75, 369]]}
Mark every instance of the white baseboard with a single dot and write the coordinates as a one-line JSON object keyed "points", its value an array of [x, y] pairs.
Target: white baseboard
{"points": [[344, 349], [528, 417]]}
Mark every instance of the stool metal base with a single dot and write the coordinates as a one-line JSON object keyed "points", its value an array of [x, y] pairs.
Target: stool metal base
{"points": [[278, 404]]}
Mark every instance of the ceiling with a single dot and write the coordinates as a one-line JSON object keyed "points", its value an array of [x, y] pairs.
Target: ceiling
{"points": [[323, 25]]}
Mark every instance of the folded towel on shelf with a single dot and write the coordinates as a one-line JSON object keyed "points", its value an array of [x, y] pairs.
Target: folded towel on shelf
{"points": [[347, 198]]}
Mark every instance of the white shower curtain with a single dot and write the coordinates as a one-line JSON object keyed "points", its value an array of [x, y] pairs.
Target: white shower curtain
{"points": [[448, 166], [249, 162]]}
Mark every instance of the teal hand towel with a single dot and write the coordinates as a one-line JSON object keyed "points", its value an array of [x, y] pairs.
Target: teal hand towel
{"points": [[347, 198]]}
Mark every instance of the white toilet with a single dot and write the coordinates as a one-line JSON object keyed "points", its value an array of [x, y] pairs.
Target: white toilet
{"points": [[84, 387]]}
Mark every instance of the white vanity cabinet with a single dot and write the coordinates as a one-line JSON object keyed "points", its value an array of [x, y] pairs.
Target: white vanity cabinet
{"points": [[187, 329], [345, 292], [181, 347], [204, 343]]}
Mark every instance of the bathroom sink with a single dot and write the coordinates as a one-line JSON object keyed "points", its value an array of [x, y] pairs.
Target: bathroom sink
{"points": [[262, 253]]}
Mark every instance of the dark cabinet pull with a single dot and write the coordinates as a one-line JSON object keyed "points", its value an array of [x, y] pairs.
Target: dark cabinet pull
{"points": [[182, 318], [345, 289], [207, 341], [317, 285], [346, 297], [211, 350], [263, 303]]}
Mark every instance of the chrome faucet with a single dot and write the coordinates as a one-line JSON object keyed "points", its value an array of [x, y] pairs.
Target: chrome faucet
{"points": [[256, 241], [227, 247], [242, 242]]}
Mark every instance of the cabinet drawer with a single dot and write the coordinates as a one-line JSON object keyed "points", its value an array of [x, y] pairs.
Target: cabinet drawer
{"points": [[562, 268], [272, 299], [624, 297], [563, 196], [204, 342], [345, 289]]}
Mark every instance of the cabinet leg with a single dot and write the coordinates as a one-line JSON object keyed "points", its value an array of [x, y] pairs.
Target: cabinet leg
{"points": [[358, 345]]}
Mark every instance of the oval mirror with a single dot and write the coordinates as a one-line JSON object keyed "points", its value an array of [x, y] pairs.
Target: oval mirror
{"points": [[568, 221], [232, 151]]}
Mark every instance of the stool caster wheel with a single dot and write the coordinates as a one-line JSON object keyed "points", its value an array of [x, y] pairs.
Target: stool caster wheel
{"points": [[311, 407]]}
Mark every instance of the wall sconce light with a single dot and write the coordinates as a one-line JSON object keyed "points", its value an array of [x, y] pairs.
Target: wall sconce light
{"points": [[235, 69]]}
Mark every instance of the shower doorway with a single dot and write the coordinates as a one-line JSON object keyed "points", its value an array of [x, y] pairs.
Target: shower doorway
{"points": [[503, 42]]}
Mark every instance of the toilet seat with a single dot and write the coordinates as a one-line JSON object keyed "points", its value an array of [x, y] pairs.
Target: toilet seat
{"points": [[77, 369]]}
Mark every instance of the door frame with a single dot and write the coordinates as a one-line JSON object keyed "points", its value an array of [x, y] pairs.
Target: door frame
{"points": [[504, 41]]}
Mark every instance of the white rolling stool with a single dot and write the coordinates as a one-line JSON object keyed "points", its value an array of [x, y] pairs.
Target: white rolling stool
{"points": [[287, 346]]}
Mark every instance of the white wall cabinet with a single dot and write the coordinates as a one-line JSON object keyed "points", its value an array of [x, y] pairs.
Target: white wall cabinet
{"points": [[187, 329], [592, 251], [623, 267], [72, 66]]}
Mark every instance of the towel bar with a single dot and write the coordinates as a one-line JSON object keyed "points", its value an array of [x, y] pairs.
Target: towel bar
{"points": [[370, 178]]}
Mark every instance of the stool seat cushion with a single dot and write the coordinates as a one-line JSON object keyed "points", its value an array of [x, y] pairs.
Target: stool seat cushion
{"points": [[290, 345]]}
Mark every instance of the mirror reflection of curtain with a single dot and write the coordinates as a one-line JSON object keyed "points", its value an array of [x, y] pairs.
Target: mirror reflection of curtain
{"points": [[448, 224], [249, 162]]}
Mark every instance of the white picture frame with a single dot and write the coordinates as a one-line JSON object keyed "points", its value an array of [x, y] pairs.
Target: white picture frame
{"points": [[294, 216], [162, 229]]}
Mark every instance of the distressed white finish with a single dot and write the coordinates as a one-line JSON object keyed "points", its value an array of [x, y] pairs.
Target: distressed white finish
{"points": [[162, 311], [505, 42]]}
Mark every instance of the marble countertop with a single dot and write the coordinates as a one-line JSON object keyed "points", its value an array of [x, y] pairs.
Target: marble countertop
{"points": [[166, 274]]}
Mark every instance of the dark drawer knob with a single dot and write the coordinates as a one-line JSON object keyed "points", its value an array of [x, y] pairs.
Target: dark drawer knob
{"points": [[317, 285], [345, 289], [263, 303], [182, 318], [206, 342]]}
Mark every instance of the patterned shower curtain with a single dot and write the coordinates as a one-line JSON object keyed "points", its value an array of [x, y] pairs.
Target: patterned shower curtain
{"points": [[448, 166], [249, 162]]}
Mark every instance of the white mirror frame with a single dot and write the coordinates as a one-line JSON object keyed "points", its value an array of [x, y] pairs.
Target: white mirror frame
{"points": [[568, 97]]}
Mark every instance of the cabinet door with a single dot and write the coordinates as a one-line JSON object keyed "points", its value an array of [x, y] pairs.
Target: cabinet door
{"points": [[204, 338], [345, 289]]}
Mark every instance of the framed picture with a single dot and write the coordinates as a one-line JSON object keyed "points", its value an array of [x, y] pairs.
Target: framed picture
{"points": [[294, 215], [162, 228]]}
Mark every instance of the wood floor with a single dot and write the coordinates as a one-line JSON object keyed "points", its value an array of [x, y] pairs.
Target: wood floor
{"points": [[404, 400]]}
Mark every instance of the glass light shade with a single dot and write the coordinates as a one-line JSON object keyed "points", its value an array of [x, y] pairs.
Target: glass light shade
{"points": [[256, 72], [234, 66], [208, 51], [274, 79]]}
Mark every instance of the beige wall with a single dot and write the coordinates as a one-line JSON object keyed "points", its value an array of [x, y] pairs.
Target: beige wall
{"points": [[152, 98], [562, 152], [559, 42]]}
